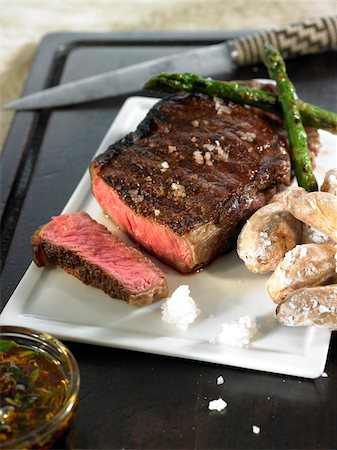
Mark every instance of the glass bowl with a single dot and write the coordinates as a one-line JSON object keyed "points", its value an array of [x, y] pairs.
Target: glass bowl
{"points": [[40, 383]]}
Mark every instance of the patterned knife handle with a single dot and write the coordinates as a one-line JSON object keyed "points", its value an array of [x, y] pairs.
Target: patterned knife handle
{"points": [[310, 36]]}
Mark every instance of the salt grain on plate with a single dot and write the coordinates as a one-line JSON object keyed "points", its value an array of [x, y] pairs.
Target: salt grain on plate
{"points": [[238, 333], [324, 375], [180, 309], [220, 380], [217, 405], [256, 429]]}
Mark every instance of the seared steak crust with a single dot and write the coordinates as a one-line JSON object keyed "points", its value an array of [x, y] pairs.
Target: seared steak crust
{"points": [[196, 167]]}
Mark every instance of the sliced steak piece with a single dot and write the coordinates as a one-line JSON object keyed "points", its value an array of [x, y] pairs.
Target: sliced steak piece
{"points": [[183, 183], [84, 248]]}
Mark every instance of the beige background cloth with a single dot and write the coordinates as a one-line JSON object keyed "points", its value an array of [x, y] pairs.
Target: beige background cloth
{"points": [[24, 23]]}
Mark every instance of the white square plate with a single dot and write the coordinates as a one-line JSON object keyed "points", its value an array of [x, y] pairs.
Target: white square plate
{"points": [[50, 300]]}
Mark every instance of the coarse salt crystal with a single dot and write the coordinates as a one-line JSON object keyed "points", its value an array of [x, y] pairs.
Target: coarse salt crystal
{"points": [[198, 157], [238, 333], [314, 303], [180, 309], [288, 258], [178, 190], [222, 155], [323, 309], [303, 252], [220, 380], [217, 405], [209, 147], [136, 195], [256, 429], [300, 251], [265, 238], [220, 106], [246, 136], [283, 278], [165, 166], [324, 375], [207, 156], [311, 235], [309, 271], [172, 148]]}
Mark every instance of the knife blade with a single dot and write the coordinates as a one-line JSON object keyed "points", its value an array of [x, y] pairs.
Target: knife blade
{"points": [[310, 36]]}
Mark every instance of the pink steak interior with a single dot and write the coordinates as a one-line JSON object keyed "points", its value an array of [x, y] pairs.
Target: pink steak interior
{"points": [[155, 238], [91, 241]]}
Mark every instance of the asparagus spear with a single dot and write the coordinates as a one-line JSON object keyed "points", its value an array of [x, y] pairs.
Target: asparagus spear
{"points": [[312, 116], [292, 119]]}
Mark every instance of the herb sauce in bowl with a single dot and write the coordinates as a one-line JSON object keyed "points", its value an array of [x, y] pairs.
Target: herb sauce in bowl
{"points": [[39, 388]]}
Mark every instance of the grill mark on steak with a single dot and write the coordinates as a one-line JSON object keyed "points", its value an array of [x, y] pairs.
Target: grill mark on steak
{"points": [[84, 248], [201, 206]]}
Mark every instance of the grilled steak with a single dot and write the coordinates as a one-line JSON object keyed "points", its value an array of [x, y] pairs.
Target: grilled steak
{"points": [[183, 183], [87, 250]]}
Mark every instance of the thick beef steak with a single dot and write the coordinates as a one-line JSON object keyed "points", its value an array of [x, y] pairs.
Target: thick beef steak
{"points": [[87, 250], [183, 183]]}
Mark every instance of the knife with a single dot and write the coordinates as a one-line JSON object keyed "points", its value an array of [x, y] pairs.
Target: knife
{"points": [[310, 36]]}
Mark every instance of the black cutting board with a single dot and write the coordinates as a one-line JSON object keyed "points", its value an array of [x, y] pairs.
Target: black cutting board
{"points": [[44, 157]]}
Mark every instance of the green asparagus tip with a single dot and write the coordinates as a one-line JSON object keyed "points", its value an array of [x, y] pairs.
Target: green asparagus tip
{"points": [[312, 116], [170, 82]]}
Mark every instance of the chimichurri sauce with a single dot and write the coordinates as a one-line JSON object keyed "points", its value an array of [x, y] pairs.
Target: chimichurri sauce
{"points": [[32, 390]]}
